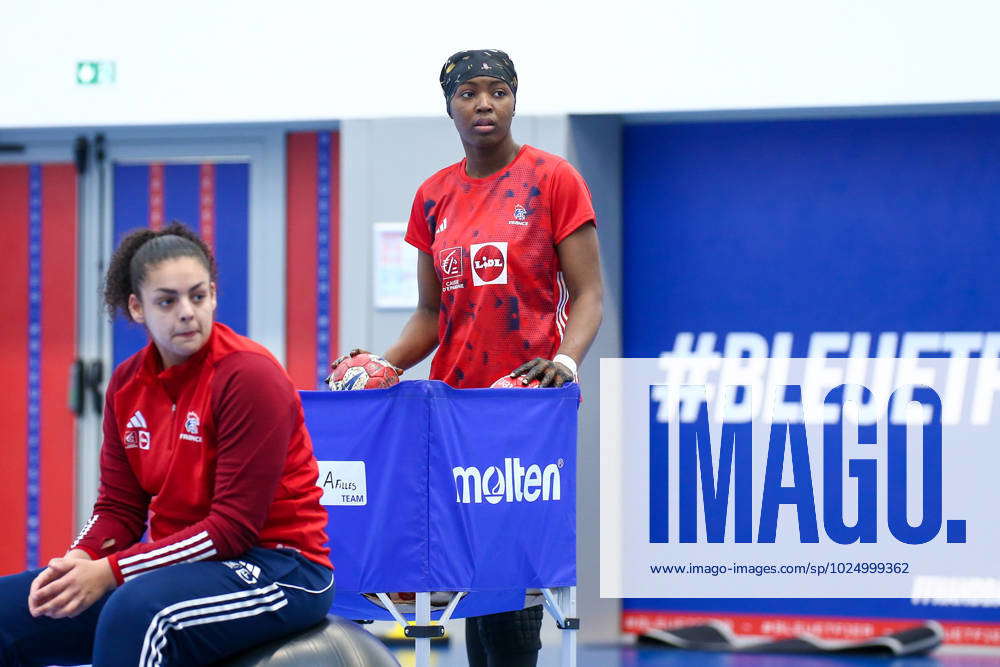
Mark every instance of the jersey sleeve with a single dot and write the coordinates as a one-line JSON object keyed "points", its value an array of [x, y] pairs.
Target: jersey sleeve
{"points": [[119, 516], [255, 410], [569, 202], [418, 230]]}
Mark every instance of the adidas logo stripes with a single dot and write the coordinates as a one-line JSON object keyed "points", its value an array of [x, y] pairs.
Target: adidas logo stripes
{"points": [[137, 421], [86, 529], [200, 611], [195, 548]]}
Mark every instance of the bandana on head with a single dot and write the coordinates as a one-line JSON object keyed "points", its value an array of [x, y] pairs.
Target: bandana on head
{"points": [[466, 65]]}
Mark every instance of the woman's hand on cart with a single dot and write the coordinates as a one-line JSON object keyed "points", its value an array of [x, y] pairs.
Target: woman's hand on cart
{"points": [[548, 372]]}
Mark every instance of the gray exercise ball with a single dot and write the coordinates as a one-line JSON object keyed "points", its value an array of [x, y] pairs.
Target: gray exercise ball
{"points": [[336, 642]]}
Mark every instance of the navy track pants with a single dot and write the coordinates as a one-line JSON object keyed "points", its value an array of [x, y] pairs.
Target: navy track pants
{"points": [[187, 614]]}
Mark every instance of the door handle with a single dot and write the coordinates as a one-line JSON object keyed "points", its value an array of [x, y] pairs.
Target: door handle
{"points": [[94, 376], [77, 390], [85, 378]]}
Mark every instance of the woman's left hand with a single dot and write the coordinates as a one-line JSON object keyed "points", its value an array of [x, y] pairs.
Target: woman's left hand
{"points": [[548, 372], [71, 587]]}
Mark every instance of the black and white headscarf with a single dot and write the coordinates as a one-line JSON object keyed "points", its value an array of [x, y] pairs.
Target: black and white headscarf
{"points": [[466, 65]]}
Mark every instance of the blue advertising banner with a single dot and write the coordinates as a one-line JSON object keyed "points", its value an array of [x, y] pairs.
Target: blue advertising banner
{"points": [[848, 237], [431, 488]]}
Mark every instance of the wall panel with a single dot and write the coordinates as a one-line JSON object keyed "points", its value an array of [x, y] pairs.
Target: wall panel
{"points": [[877, 225]]}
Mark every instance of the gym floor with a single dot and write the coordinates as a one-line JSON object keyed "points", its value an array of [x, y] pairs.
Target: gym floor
{"points": [[629, 656], [452, 654]]}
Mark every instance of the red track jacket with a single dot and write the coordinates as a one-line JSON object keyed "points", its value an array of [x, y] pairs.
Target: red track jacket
{"points": [[214, 451]]}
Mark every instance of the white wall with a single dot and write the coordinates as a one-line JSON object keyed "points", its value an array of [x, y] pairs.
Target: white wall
{"points": [[195, 61], [594, 145]]}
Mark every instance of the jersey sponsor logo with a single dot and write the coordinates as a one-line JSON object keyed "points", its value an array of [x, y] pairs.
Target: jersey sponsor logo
{"points": [[520, 216], [452, 268], [489, 263], [450, 260], [136, 433], [443, 226]]}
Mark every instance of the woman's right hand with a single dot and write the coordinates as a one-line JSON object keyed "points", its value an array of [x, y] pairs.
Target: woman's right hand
{"points": [[69, 586]]}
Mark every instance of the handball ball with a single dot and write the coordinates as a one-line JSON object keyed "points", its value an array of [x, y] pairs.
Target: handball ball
{"points": [[363, 371], [507, 382]]}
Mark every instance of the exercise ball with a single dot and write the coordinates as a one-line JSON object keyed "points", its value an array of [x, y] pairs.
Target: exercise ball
{"points": [[336, 642]]}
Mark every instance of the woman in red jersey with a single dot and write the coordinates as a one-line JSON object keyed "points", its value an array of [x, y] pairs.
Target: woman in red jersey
{"points": [[204, 436], [509, 277]]}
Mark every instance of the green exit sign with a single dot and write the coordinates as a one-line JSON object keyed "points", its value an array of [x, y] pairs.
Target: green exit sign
{"points": [[95, 72]]}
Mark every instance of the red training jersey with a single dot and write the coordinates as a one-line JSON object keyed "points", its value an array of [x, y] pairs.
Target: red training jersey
{"points": [[214, 451], [493, 240]]}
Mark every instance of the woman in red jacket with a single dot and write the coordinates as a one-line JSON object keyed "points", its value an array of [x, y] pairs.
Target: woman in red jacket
{"points": [[204, 436]]}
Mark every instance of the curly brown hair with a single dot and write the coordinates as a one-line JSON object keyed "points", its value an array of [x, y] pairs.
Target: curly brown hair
{"points": [[141, 250]]}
